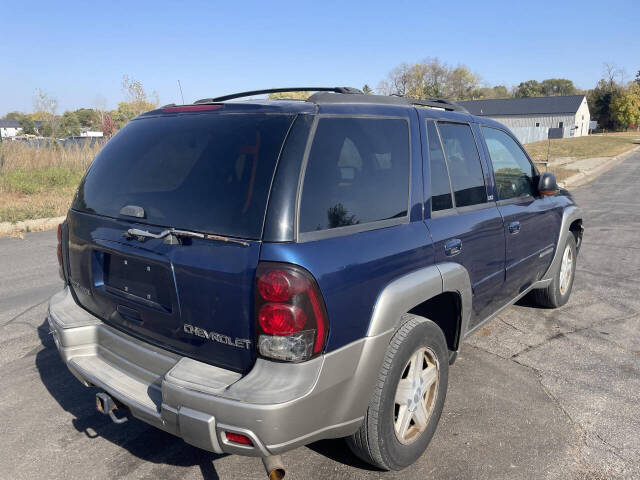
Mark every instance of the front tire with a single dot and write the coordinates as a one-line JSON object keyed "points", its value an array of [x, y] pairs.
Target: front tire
{"points": [[408, 397], [557, 293]]}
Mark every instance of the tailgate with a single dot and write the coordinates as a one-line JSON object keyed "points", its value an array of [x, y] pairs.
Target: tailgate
{"points": [[195, 298]]}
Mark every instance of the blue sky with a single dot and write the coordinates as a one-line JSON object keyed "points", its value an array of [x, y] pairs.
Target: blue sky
{"points": [[78, 52]]}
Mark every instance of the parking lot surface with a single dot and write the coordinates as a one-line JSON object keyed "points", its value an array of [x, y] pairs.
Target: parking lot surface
{"points": [[534, 394]]}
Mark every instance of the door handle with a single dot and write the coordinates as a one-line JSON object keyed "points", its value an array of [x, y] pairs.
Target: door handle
{"points": [[514, 227], [452, 247]]}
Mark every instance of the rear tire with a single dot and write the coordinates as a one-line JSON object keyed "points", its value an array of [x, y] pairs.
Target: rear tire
{"points": [[557, 293], [408, 398]]}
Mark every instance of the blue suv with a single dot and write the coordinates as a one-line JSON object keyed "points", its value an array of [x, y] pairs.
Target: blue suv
{"points": [[253, 276]]}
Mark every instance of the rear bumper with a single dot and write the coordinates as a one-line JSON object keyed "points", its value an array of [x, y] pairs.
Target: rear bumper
{"points": [[278, 405]]}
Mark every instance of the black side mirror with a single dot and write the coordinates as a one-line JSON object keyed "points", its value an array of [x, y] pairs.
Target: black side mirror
{"points": [[547, 184]]}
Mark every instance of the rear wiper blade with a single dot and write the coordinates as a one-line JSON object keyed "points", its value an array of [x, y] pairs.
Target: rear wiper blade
{"points": [[173, 233]]}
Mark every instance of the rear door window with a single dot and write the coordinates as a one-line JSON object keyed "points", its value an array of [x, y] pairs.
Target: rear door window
{"points": [[464, 164], [202, 172], [512, 169], [357, 172], [440, 183]]}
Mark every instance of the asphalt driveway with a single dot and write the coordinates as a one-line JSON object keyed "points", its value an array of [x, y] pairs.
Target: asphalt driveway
{"points": [[534, 394]]}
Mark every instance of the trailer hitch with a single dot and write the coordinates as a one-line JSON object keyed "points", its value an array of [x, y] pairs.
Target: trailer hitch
{"points": [[106, 406]]}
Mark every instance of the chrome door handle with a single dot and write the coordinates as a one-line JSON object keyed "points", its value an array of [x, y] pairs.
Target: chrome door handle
{"points": [[452, 247], [514, 227]]}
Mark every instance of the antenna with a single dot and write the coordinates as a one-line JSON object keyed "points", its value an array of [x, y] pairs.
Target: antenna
{"points": [[181, 95]]}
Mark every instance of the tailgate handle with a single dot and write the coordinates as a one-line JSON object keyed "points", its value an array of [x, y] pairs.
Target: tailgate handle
{"points": [[129, 314]]}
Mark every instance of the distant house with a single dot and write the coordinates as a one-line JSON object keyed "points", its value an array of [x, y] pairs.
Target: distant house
{"points": [[9, 128], [530, 118]]}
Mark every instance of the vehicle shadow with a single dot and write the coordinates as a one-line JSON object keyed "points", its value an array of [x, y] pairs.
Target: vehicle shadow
{"points": [[338, 451], [141, 440]]}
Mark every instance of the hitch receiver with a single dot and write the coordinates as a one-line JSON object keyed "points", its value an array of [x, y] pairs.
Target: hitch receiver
{"points": [[106, 405]]}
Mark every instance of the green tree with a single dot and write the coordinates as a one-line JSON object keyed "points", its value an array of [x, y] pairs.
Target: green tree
{"points": [[15, 115], [625, 107], [498, 91], [28, 127], [530, 88], [557, 86], [367, 90], [70, 125], [600, 100], [89, 118]]}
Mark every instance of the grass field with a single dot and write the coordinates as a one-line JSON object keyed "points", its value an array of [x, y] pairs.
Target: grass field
{"points": [[41, 182], [608, 145], [577, 148]]}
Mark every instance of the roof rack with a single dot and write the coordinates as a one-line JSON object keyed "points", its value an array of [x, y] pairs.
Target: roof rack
{"points": [[439, 103], [348, 90], [354, 95]]}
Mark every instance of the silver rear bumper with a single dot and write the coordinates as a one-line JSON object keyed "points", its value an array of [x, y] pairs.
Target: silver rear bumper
{"points": [[278, 405]]}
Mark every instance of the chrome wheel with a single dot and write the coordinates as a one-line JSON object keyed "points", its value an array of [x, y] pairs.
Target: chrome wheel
{"points": [[416, 395], [566, 269]]}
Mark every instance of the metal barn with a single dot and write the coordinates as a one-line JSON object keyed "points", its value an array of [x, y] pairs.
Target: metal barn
{"points": [[530, 118]]}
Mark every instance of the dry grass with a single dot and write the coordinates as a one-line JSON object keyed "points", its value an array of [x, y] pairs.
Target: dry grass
{"points": [[608, 145], [561, 173], [39, 182]]}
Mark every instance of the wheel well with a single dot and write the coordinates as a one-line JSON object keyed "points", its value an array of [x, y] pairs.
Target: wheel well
{"points": [[444, 310], [576, 229]]}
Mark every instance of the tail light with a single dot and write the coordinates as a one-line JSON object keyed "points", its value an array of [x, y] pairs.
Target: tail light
{"points": [[59, 252], [291, 317]]}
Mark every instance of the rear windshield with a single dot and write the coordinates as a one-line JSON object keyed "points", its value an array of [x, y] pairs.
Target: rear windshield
{"points": [[209, 172]]}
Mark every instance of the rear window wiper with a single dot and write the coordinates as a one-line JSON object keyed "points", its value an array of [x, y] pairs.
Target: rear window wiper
{"points": [[172, 236]]}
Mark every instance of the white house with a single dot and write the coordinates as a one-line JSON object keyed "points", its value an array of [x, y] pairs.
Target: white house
{"points": [[531, 118], [9, 128]]}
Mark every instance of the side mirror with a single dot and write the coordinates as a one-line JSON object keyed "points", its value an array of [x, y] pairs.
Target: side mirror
{"points": [[547, 185]]}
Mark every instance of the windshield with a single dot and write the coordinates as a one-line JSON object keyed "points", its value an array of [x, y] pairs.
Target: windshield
{"points": [[203, 172]]}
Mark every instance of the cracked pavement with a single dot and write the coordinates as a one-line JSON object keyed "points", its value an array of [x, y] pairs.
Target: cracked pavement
{"points": [[534, 394]]}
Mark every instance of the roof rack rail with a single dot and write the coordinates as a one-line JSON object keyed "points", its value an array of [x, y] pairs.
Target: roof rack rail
{"points": [[251, 93], [439, 103]]}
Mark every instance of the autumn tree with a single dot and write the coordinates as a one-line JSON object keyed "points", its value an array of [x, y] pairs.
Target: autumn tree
{"points": [[137, 100], [462, 83], [430, 78], [108, 126], [289, 95], [625, 107], [498, 91], [46, 106]]}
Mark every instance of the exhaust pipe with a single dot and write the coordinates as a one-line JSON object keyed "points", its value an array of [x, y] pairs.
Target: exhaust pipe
{"points": [[106, 406], [274, 467]]}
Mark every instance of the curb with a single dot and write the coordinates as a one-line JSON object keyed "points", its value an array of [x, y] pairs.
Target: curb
{"points": [[584, 177], [8, 229]]}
